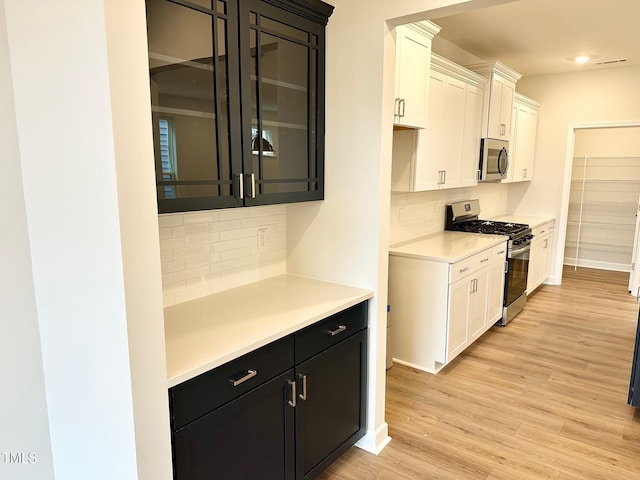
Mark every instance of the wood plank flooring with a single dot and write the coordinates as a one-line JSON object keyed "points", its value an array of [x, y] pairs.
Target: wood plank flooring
{"points": [[543, 398]]}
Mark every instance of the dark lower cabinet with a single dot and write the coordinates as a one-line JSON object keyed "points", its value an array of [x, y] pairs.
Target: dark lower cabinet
{"points": [[251, 437], [332, 418], [242, 421]]}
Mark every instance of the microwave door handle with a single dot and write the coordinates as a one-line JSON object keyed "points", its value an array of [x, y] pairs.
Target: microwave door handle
{"points": [[501, 154]]}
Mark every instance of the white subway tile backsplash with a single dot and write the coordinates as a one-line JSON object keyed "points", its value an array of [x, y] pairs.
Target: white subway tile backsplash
{"points": [[173, 266], [171, 243], [211, 251], [170, 220]]}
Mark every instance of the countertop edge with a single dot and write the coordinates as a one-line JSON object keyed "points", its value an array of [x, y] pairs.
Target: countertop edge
{"points": [[489, 240]]}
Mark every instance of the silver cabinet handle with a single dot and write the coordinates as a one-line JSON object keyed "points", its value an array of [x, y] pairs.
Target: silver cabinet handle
{"points": [[500, 252], [250, 374], [396, 107], [541, 232], [253, 185], [402, 107], [340, 329], [546, 243], [303, 395], [241, 185], [524, 173], [292, 384], [484, 260], [462, 270]]}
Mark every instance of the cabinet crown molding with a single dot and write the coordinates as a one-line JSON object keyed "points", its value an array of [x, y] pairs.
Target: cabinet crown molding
{"points": [[446, 66], [523, 99], [498, 68], [425, 27]]}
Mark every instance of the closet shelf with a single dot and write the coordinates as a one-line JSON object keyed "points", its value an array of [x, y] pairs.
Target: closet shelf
{"points": [[619, 226], [604, 203], [607, 247]]}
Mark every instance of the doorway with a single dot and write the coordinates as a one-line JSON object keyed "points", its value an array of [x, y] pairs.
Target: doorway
{"points": [[600, 197]]}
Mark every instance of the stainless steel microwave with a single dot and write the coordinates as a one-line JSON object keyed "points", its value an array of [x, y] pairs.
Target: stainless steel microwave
{"points": [[494, 160]]}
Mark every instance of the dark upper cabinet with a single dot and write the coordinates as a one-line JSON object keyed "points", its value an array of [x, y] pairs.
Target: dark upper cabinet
{"points": [[237, 100]]}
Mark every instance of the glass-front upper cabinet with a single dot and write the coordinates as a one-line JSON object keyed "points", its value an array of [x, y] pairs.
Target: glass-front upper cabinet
{"points": [[281, 57], [237, 101], [191, 77]]}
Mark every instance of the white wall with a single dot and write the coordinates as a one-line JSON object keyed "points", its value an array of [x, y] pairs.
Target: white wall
{"points": [[603, 142], [25, 449], [345, 238], [570, 100], [81, 95]]}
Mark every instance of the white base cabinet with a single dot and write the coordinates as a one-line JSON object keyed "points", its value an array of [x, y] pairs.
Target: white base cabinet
{"points": [[440, 308], [540, 256]]}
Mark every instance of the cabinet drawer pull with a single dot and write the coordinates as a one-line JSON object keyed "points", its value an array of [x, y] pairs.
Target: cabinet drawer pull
{"points": [[541, 232], [340, 329], [250, 374], [303, 395], [462, 270], [484, 260], [292, 384], [500, 252]]}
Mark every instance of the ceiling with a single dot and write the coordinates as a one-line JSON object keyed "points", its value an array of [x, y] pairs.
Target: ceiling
{"points": [[536, 37]]}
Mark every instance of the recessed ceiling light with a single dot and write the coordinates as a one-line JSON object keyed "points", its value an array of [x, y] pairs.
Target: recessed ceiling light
{"points": [[582, 59]]}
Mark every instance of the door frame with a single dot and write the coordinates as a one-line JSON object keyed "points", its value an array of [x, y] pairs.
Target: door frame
{"points": [[566, 183]]}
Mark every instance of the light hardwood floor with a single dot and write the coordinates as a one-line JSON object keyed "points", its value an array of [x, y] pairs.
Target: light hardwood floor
{"points": [[543, 398]]}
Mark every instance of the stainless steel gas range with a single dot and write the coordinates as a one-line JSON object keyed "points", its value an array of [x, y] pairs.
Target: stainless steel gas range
{"points": [[463, 217]]}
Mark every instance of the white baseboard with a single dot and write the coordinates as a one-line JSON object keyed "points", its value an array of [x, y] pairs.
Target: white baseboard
{"points": [[375, 441], [618, 267]]}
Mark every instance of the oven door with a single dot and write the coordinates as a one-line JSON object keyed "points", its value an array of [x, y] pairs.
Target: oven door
{"points": [[515, 283]]}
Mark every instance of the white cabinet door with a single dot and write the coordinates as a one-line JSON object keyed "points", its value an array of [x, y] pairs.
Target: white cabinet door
{"points": [[535, 265], [478, 303], [429, 157], [457, 325], [500, 108], [495, 295], [540, 256], [471, 138], [529, 144], [452, 129], [523, 139], [413, 61]]}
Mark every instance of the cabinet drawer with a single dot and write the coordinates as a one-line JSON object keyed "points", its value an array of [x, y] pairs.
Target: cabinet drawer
{"points": [[542, 230], [469, 265], [328, 332], [206, 392], [499, 251]]}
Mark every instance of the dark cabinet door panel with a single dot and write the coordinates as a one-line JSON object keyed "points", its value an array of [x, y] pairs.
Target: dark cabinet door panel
{"points": [[331, 418], [251, 437]]}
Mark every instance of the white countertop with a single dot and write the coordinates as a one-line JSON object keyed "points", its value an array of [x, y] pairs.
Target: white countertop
{"points": [[207, 332], [532, 220], [446, 246]]}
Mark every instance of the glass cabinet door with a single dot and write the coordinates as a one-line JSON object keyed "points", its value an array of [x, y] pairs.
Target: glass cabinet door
{"points": [[281, 123], [194, 94]]}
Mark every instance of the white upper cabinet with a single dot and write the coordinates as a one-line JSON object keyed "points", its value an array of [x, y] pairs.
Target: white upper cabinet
{"points": [[523, 139], [499, 97], [445, 153], [413, 61]]}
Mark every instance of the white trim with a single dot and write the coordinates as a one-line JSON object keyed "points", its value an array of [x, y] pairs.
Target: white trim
{"points": [[566, 185], [375, 441]]}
